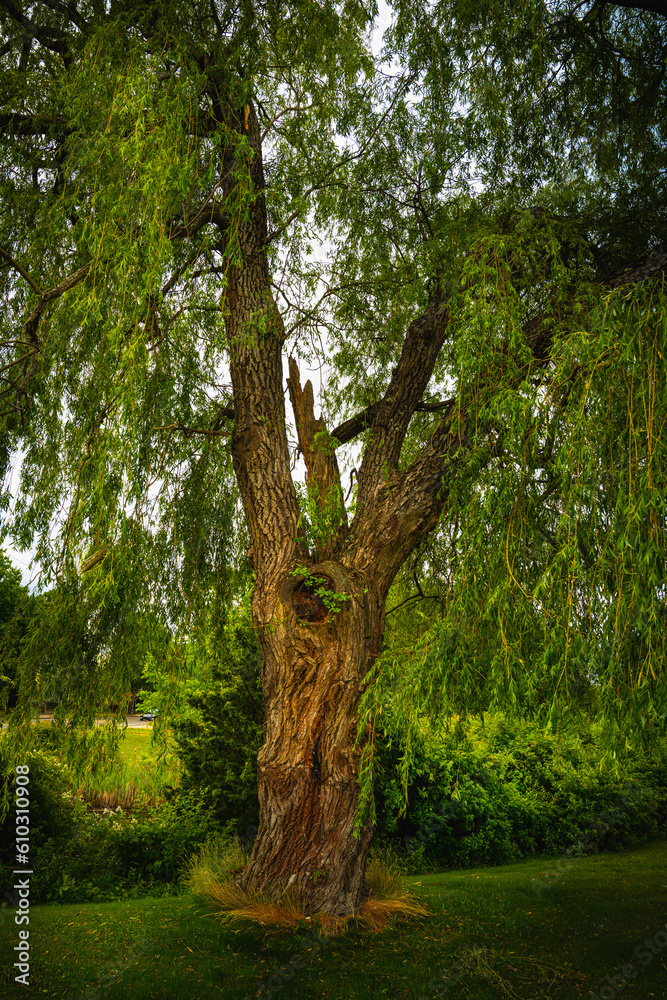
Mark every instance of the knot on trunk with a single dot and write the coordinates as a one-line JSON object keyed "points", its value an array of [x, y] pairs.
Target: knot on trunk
{"points": [[307, 604], [316, 593]]}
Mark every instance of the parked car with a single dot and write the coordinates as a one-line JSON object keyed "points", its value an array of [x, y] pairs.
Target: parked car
{"points": [[147, 717]]}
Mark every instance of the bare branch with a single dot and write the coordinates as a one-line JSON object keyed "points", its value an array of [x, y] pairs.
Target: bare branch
{"points": [[653, 6], [181, 270], [434, 407], [392, 415], [306, 194], [68, 10], [415, 597], [189, 431], [355, 425], [407, 505], [22, 271], [540, 336], [29, 330], [638, 270], [74, 279], [45, 38], [321, 465], [211, 212], [31, 125]]}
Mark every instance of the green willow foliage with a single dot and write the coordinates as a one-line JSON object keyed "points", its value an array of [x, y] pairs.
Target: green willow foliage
{"points": [[553, 601], [543, 590], [511, 158], [113, 381]]}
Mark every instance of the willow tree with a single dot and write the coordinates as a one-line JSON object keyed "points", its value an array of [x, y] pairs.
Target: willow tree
{"points": [[487, 299]]}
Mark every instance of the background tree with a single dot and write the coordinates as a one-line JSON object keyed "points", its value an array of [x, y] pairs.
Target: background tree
{"points": [[165, 169], [218, 737], [14, 612]]}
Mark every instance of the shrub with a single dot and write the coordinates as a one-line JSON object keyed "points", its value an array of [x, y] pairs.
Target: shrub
{"points": [[493, 793], [54, 808], [115, 855], [218, 748], [79, 855], [158, 846]]}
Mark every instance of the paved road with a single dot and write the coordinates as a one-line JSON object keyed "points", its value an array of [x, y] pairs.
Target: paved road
{"points": [[132, 721]]}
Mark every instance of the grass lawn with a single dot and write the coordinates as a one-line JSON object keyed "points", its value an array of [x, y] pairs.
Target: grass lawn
{"points": [[139, 764], [538, 929], [141, 768], [138, 755], [135, 741]]}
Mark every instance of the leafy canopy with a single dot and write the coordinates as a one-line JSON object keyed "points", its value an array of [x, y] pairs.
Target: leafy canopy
{"points": [[510, 158]]}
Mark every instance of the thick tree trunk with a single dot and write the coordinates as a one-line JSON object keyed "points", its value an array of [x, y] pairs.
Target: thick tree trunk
{"points": [[316, 658], [315, 661]]}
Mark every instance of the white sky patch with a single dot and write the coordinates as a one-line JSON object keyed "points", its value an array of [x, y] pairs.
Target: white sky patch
{"points": [[22, 560]]}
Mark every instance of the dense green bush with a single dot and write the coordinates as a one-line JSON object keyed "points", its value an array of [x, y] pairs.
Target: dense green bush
{"points": [[218, 743], [157, 846], [54, 809], [115, 855], [77, 854], [491, 793]]}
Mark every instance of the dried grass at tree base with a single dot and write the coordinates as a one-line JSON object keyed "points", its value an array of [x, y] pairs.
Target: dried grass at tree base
{"points": [[212, 874]]}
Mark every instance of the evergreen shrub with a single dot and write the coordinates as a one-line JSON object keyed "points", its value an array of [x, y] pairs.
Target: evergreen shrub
{"points": [[218, 741]]}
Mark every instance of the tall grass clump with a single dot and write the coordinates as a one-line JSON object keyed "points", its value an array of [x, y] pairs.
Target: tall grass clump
{"points": [[213, 876]]}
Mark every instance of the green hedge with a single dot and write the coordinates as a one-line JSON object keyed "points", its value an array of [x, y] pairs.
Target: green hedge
{"points": [[116, 856], [494, 793]]}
